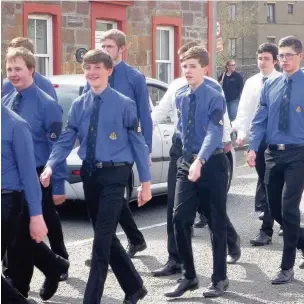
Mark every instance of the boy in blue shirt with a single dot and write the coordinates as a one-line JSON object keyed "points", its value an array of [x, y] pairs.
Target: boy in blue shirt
{"points": [[202, 169], [106, 124]]}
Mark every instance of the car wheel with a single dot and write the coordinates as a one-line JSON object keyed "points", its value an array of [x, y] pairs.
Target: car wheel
{"points": [[229, 172]]}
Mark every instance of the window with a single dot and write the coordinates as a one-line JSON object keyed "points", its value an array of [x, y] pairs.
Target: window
{"points": [[271, 39], [102, 26], [232, 11], [40, 31], [165, 53], [156, 93], [290, 8], [271, 12], [232, 47]]}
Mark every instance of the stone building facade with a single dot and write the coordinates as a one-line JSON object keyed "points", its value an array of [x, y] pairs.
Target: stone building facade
{"points": [[155, 30]]}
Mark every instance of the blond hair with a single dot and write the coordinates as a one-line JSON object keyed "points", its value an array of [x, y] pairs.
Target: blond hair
{"points": [[22, 42], [118, 36], [21, 52]]}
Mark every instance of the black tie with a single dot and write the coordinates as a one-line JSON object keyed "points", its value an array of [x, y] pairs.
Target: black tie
{"points": [[190, 132], [111, 79], [92, 136], [284, 109], [264, 79], [16, 103]]}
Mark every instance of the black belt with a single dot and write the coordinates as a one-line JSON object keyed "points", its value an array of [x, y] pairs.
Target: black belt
{"points": [[100, 165], [217, 151], [282, 147], [3, 191]]}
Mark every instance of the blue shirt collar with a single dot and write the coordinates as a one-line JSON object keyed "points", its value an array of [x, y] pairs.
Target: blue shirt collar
{"points": [[119, 66], [199, 90], [297, 76], [28, 91], [104, 94]]}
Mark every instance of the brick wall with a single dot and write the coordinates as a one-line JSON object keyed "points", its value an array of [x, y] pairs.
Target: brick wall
{"points": [[76, 28]]}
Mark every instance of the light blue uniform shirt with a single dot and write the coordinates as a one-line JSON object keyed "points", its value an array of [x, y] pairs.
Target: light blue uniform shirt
{"points": [[210, 109], [44, 115], [118, 139], [266, 120], [131, 83], [18, 166]]}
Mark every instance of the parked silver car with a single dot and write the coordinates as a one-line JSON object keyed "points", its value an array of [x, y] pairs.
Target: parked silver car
{"points": [[69, 87]]}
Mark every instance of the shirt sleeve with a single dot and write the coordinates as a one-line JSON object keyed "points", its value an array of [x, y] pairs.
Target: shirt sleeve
{"points": [[214, 132], [243, 121], [66, 141], [139, 148], [23, 148], [48, 88], [7, 87], [164, 108], [259, 123], [227, 128], [142, 102], [53, 126]]}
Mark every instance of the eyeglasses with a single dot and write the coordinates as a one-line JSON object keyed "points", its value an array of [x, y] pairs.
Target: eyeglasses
{"points": [[288, 56]]}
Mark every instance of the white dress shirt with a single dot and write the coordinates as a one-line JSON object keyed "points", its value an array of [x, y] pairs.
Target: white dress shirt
{"points": [[167, 107], [249, 103]]}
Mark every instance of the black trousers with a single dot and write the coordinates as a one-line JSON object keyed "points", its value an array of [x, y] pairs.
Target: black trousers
{"points": [[52, 220], [104, 191], [175, 154], [284, 181], [24, 253], [214, 179], [11, 209], [129, 226], [261, 203]]}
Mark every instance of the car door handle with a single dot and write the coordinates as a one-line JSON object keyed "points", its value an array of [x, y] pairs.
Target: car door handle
{"points": [[166, 134]]}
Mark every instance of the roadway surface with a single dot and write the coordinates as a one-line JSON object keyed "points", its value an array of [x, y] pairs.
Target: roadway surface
{"points": [[249, 278]]}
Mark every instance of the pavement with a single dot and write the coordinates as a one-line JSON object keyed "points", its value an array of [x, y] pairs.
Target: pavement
{"points": [[249, 278]]}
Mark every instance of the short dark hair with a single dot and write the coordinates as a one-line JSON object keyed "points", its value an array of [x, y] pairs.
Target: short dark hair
{"points": [[197, 52], [293, 42], [268, 47], [187, 46], [22, 42], [98, 56]]}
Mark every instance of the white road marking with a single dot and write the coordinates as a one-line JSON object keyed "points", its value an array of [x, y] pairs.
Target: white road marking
{"points": [[89, 240]]}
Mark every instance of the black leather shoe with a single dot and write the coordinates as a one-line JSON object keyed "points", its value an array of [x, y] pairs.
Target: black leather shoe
{"points": [[50, 285], [201, 222], [301, 265], [139, 295], [64, 276], [215, 290], [88, 262], [133, 249], [261, 239], [283, 277], [234, 255], [182, 286], [281, 232], [261, 216], [170, 268]]}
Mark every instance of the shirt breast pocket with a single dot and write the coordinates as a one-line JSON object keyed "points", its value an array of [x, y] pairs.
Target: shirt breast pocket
{"points": [[115, 136]]}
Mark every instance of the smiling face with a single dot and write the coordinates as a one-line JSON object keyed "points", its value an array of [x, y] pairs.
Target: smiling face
{"points": [[97, 75], [193, 72], [19, 75]]}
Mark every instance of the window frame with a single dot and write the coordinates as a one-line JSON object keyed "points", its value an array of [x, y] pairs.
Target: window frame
{"points": [[170, 61], [271, 39], [49, 41], [230, 53], [272, 6], [232, 12], [114, 23], [290, 5]]}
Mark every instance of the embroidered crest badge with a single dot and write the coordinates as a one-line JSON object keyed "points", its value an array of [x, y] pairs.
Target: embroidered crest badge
{"points": [[113, 136]]}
